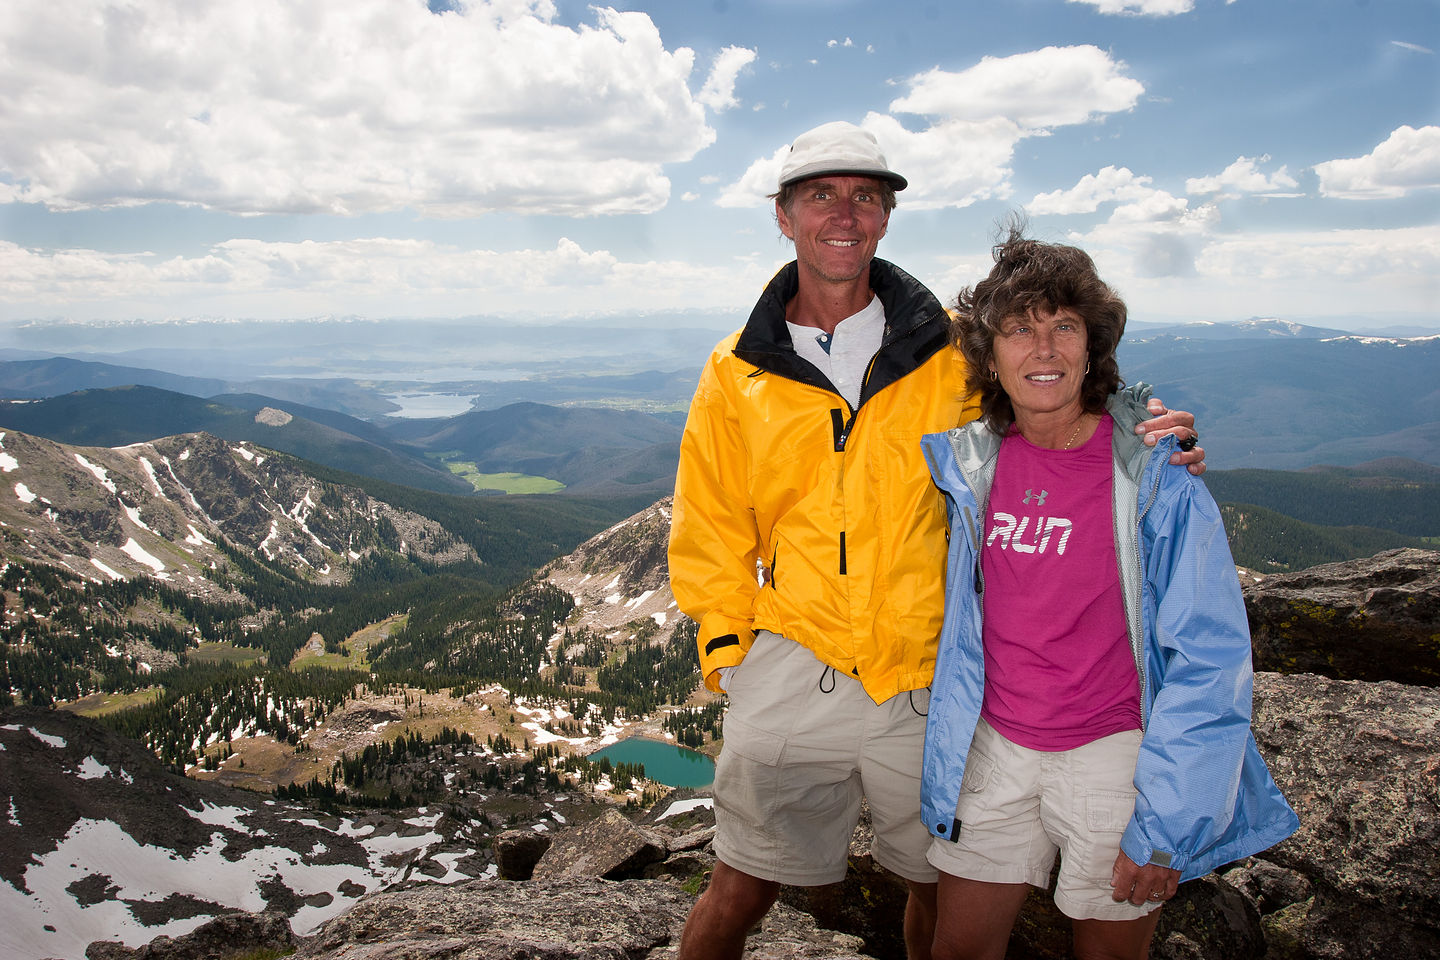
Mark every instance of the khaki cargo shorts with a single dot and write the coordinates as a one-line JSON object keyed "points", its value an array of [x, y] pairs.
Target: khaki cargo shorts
{"points": [[803, 744], [1019, 807]]}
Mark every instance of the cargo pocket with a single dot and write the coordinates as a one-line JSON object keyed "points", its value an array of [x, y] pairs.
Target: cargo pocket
{"points": [[978, 768], [752, 742], [1108, 811]]}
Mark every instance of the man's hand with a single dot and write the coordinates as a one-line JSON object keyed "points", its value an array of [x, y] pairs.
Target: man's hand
{"points": [[1180, 423], [1148, 884]]}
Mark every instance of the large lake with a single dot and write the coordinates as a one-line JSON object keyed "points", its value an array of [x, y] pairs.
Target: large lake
{"points": [[665, 763]]}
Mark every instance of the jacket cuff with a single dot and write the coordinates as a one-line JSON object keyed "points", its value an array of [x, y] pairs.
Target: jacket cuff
{"points": [[1140, 850], [723, 642]]}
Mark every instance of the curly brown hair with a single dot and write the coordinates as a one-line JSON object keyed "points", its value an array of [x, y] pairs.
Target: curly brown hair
{"points": [[1035, 275]]}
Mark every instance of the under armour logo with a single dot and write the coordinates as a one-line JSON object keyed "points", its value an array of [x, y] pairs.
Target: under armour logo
{"points": [[1038, 497]]}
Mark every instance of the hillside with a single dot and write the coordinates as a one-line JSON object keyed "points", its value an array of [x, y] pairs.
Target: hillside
{"points": [[134, 414], [1289, 402], [590, 449]]}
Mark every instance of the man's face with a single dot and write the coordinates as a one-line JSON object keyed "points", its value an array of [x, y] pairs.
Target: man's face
{"points": [[836, 223]]}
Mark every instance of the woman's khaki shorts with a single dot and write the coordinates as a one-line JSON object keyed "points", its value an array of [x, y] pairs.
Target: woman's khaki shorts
{"points": [[1018, 807], [803, 745]]}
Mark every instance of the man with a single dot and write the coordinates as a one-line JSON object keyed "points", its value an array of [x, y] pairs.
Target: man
{"points": [[809, 542]]}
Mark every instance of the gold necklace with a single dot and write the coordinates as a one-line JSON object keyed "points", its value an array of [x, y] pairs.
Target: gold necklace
{"points": [[1078, 425]]}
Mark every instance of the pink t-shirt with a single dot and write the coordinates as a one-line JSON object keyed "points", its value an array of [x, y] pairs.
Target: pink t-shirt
{"points": [[1058, 668]]}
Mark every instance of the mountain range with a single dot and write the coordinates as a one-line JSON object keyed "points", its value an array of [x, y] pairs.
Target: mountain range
{"points": [[1267, 393]]}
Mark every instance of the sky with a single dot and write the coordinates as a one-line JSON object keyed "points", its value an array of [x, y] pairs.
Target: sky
{"points": [[534, 159]]}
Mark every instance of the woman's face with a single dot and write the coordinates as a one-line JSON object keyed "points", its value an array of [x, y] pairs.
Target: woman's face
{"points": [[1041, 360]]}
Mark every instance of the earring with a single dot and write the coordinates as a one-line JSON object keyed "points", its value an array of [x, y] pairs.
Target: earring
{"points": [[994, 374], [1087, 366]]}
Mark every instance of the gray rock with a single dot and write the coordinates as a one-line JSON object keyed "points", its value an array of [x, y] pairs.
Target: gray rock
{"points": [[1208, 920], [517, 852], [1358, 762], [608, 846], [1371, 619], [582, 918], [231, 935], [1269, 887]]}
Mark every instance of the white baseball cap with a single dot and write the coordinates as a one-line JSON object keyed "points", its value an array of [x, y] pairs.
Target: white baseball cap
{"points": [[837, 149]]}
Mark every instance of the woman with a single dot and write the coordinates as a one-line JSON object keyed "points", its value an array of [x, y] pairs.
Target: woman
{"points": [[1092, 691]]}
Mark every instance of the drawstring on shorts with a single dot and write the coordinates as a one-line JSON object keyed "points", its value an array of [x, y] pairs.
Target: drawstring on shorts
{"points": [[830, 673]]}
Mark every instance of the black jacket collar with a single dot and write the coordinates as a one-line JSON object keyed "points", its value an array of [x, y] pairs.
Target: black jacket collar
{"points": [[915, 328]]}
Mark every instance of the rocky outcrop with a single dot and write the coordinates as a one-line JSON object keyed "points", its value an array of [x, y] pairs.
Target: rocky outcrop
{"points": [[233, 936], [577, 918], [1371, 619], [1360, 763]]}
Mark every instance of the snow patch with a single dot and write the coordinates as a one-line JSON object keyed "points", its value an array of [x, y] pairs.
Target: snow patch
{"points": [[49, 740], [134, 514], [685, 806], [140, 555], [106, 570], [92, 769], [24, 494], [100, 473]]}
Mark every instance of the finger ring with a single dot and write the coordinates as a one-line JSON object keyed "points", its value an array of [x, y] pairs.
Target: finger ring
{"points": [[1188, 443], [1154, 896]]}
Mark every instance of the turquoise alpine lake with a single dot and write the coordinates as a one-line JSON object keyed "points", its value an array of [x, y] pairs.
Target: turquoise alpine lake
{"points": [[665, 763]]}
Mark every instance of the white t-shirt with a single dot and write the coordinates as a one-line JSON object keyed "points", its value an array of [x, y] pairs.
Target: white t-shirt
{"points": [[844, 355]]}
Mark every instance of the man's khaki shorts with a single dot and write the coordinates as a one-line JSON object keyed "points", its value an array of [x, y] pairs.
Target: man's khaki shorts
{"points": [[1018, 807], [803, 744]]}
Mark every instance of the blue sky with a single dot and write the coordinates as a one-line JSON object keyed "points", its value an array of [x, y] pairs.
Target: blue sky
{"points": [[265, 159]]}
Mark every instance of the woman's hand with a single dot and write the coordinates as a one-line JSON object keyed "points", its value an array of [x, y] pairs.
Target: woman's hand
{"points": [[1180, 423], [1148, 884]]}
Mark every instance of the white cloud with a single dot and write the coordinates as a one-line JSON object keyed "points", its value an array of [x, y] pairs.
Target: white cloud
{"points": [[1243, 176], [344, 106], [1409, 159], [977, 117], [1300, 257], [1144, 8], [371, 277], [1294, 273], [1053, 87], [719, 91], [1093, 189], [1415, 47]]}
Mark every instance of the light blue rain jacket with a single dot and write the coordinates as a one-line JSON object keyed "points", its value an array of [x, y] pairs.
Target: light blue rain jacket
{"points": [[1205, 796]]}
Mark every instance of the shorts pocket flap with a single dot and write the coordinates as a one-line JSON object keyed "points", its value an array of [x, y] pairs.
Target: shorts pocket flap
{"points": [[978, 768], [1108, 810], [751, 742]]}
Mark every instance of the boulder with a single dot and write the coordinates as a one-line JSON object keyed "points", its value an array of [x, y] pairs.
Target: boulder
{"points": [[1371, 619], [608, 846], [517, 852]]}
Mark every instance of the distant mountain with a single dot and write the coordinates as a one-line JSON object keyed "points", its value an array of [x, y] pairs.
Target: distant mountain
{"points": [[1290, 402], [53, 376], [1256, 328], [181, 509], [591, 450], [121, 415]]}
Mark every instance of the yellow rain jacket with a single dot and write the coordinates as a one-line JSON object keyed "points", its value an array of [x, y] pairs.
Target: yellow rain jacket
{"points": [[796, 514]]}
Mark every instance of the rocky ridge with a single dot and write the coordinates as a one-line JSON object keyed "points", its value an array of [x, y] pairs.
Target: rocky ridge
{"points": [[168, 509]]}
